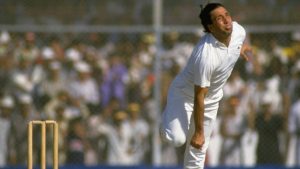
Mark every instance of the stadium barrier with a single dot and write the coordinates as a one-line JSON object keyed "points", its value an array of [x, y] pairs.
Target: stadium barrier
{"points": [[154, 167]]}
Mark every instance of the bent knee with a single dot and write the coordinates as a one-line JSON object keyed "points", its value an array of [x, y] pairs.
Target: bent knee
{"points": [[179, 141], [175, 138]]}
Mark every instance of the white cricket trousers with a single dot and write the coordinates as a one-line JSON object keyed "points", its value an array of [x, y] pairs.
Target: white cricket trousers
{"points": [[178, 127]]}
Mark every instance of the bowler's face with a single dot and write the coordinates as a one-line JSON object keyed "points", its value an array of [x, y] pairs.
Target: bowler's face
{"points": [[221, 22]]}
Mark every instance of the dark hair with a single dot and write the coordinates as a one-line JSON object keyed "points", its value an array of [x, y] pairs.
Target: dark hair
{"points": [[205, 16]]}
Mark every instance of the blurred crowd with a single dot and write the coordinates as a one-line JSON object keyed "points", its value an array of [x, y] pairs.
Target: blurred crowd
{"points": [[99, 88], [98, 91]]}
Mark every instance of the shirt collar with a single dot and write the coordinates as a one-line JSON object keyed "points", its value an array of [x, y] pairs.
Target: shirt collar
{"points": [[215, 41]]}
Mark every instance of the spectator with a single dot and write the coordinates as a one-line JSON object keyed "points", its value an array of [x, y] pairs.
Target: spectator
{"points": [[235, 85], [114, 81], [28, 50], [232, 127], [73, 106], [63, 124], [84, 87], [76, 142], [61, 98], [72, 56], [294, 125], [139, 143], [24, 114], [294, 81], [22, 78], [4, 42], [53, 82], [119, 136], [268, 126], [6, 110], [100, 125]]}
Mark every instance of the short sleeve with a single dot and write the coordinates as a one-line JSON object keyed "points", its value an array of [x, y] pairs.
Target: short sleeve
{"points": [[239, 31], [203, 72]]}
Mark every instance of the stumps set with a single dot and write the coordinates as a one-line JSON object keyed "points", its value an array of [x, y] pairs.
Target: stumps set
{"points": [[43, 125]]}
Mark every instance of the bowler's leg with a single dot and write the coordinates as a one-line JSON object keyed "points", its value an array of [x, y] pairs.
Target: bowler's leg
{"points": [[195, 158], [175, 120]]}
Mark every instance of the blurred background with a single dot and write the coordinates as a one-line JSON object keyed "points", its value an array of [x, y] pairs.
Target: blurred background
{"points": [[101, 69]]}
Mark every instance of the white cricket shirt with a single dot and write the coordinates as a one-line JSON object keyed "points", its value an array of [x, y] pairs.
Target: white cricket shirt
{"points": [[210, 65]]}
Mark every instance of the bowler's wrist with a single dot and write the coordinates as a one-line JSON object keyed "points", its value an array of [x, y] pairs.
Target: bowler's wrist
{"points": [[199, 132]]}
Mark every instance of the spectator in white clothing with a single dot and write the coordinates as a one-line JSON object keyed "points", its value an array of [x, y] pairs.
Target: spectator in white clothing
{"points": [[84, 87], [6, 109], [235, 85], [294, 125], [119, 136], [139, 143], [24, 114], [233, 125], [54, 81]]}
